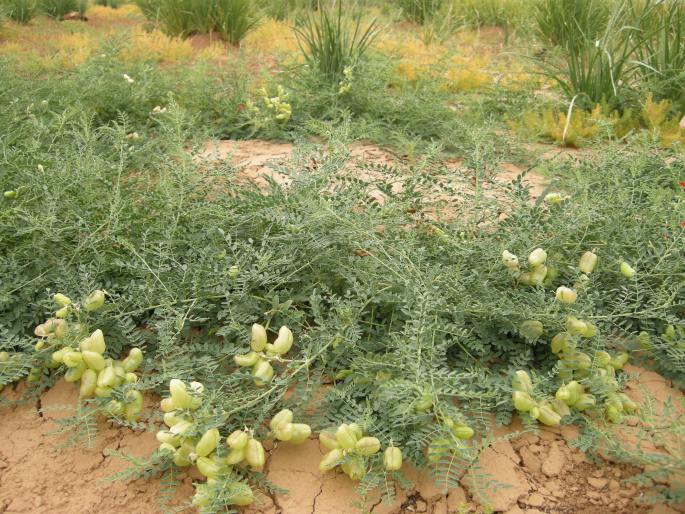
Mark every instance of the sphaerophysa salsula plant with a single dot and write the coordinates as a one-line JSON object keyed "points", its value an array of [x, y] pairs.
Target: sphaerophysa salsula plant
{"points": [[401, 309]]}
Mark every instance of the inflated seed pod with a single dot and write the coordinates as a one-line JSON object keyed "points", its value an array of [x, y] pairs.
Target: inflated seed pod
{"points": [[237, 439], [587, 263], [166, 405], [58, 355], [164, 436], [208, 442], [235, 456], [72, 359], [62, 313], [107, 377], [368, 446], [575, 326], [197, 391], [97, 342], [522, 382], [537, 257], [93, 360], [462, 431], [345, 437], [262, 373], [130, 378], [283, 417], [619, 360], [254, 454], [89, 380], [134, 397], [284, 432], [328, 440], [170, 419], [182, 458], [300, 433], [547, 416], [510, 260], [247, 359], [566, 295], [182, 428], [627, 270], [392, 458], [553, 198], [39, 345], [614, 413], [523, 402], [95, 301], [562, 342], [353, 466], [283, 342], [590, 330], [258, 340], [114, 408], [180, 398], [629, 406], [103, 392], [5, 357], [585, 401], [134, 359], [560, 408], [61, 300], [208, 467], [538, 275], [531, 329], [331, 460], [74, 374], [166, 447]]}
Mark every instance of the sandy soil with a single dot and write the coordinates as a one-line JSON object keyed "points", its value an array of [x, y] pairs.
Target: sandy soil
{"points": [[540, 472]]}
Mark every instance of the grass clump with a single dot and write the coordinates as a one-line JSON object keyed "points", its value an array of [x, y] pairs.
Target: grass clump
{"points": [[20, 11]]}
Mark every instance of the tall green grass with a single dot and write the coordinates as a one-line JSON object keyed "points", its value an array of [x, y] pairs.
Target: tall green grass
{"points": [[231, 19], [20, 11], [330, 40], [60, 8], [420, 11]]}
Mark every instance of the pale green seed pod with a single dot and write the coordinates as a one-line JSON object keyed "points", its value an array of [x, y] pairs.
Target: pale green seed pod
{"points": [[588, 262], [602, 359], [130, 378], [167, 448], [103, 392], [88, 383], [164, 436], [629, 406], [627, 270], [560, 408], [353, 466], [328, 440], [510, 260], [72, 359], [585, 401], [283, 417], [62, 313], [283, 342], [548, 416], [236, 456], [523, 402], [58, 356], [93, 360], [247, 359], [197, 391], [5, 357], [522, 382], [590, 330], [208, 467], [61, 300], [553, 198], [208, 442], [254, 454], [171, 419], [182, 428], [114, 408], [134, 359], [180, 398], [531, 329], [300, 433], [258, 340], [368, 446], [107, 377], [538, 275], [575, 326], [619, 360], [392, 458], [74, 374], [284, 432], [537, 257], [182, 458], [262, 373], [462, 431], [424, 403], [562, 342], [39, 345], [331, 460], [242, 497], [97, 342], [346, 437], [566, 295], [166, 405], [95, 301], [237, 440]]}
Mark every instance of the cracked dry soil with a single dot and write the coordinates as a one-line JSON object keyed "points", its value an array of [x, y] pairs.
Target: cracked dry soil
{"points": [[537, 473]]}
